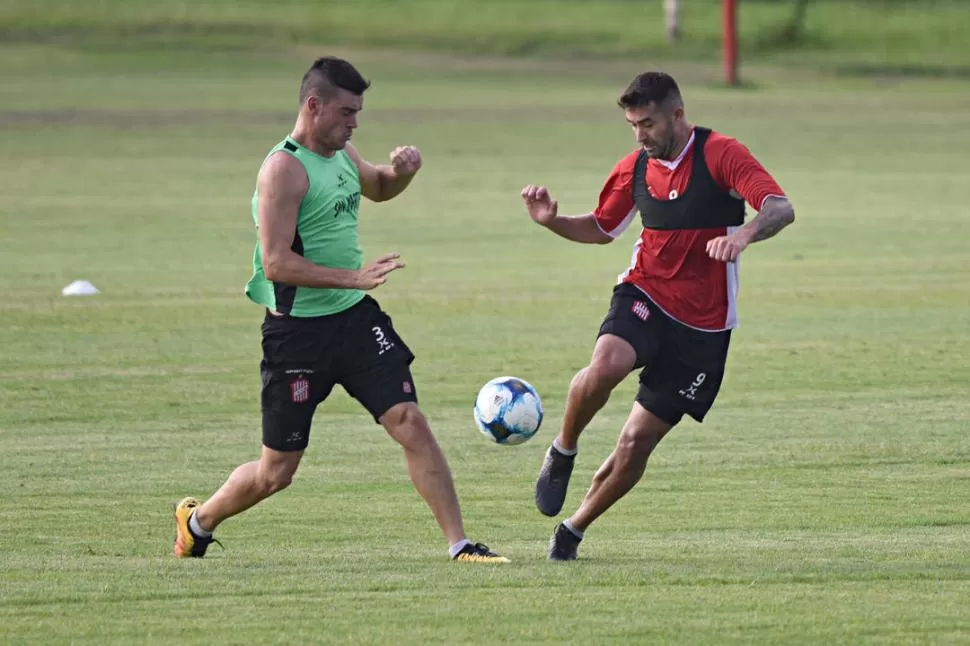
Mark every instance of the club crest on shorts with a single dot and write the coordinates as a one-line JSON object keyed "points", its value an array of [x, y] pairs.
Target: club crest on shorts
{"points": [[406, 387], [640, 310], [300, 390]]}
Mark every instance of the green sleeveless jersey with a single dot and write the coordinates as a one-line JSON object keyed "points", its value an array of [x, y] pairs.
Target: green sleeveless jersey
{"points": [[326, 234]]}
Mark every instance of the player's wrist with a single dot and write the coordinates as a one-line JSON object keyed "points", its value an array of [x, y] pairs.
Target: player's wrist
{"points": [[745, 234], [355, 279], [404, 172]]}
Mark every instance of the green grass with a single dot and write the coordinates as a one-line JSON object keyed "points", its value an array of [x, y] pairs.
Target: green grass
{"points": [[824, 501], [855, 35]]}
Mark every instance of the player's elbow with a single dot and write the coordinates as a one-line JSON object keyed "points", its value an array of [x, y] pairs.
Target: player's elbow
{"points": [[376, 195], [785, 211], [274, 267], [788, 209]]}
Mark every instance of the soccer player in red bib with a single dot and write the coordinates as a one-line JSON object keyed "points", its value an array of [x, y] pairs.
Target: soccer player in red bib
{"points": [[673, 309]]}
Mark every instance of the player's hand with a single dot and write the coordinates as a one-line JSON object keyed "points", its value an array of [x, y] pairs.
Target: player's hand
{"points": [[540, 205], [406, 160], [727, 248], [375, 273]]}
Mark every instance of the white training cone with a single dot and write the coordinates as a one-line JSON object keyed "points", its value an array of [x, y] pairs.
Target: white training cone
{"points": [[80, 288]]}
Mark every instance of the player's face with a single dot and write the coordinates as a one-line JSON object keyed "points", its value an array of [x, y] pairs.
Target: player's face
{"points": [[654, 129], [334, 120]]}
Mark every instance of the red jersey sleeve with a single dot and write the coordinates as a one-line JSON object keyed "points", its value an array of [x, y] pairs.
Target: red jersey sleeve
{"points": [[734, 168], [616, 208]]}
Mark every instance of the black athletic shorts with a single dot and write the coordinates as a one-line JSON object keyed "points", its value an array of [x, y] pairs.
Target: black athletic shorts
{"points": [[304, 358], [682, 366]]}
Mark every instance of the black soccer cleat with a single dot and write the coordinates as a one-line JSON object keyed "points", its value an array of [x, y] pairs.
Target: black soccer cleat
{"points": [[553, 481], [563, 544]]}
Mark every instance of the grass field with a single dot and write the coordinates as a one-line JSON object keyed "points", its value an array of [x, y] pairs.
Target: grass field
{"points": [[825, 500], [871, 36]]}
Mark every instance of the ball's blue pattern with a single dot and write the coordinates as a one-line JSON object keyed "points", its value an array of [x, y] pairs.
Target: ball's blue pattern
{"points": [[508, 410]]}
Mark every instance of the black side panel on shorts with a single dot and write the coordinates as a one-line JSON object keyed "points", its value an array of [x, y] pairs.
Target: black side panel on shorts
{"points": [[286, 294]]}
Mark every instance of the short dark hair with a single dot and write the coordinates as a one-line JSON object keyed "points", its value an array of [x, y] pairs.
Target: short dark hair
{"points": [[328, 73], [651, 87]]}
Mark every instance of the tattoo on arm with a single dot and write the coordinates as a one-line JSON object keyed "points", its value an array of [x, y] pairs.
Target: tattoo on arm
{"points": [[775, 215]]}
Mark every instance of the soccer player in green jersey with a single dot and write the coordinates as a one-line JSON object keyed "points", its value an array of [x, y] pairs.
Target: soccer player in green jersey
{"points": [[321, 328]]}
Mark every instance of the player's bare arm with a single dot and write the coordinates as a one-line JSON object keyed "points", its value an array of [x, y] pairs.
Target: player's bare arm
{"points": [[380, 183], [282, 185], [545, 211], [776, 214]]}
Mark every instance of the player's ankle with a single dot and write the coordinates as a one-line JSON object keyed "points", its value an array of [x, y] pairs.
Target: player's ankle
{"points": [[457, 547], [575, 531], [196, 527], [556, 444]]}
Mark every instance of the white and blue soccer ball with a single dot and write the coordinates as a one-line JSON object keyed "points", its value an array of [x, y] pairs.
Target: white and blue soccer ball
{"points": [[508, 410]]}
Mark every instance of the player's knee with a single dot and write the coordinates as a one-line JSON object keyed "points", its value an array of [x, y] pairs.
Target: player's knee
{"points": [[603, 375], [637, 443], [277, 482], [406, 423], [401, 415], [275, 477], [613, 359]]}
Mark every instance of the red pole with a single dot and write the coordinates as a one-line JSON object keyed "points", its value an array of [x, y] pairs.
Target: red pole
{"points": [[731, 42]]}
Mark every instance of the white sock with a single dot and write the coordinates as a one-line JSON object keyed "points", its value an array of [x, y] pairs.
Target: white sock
{"points": [[558, 447], [457, 547], [197, 528], [568, 525]]}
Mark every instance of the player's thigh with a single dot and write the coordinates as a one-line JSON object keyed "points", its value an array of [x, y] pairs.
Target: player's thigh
{"points": [[375, 362], [629, 324]]}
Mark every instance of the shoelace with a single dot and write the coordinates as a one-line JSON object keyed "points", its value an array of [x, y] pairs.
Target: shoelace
{"points": [[481, 549], [210, 540]]}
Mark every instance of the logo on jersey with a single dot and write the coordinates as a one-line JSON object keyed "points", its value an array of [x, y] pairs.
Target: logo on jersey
{"points": [[300, 390], [640, 310], [347, 206]]}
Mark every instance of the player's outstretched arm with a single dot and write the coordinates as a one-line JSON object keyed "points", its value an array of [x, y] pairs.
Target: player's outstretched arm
{"points": [[545, 211], [282, 185], [380, 183]]}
